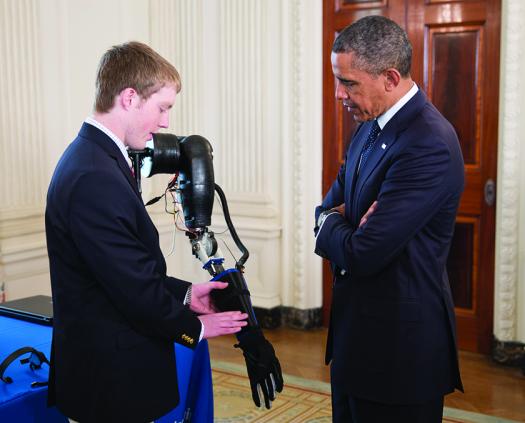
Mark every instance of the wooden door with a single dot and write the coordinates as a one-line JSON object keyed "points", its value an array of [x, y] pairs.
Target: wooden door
{"points": [[456, 62]]}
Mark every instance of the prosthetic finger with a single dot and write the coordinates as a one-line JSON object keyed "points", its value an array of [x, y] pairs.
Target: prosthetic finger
{"points": [[257, 394], [269, 386], [273, 384], [266, 395], [278, 376]]}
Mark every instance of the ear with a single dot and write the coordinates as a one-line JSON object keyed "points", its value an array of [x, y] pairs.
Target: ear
{"points": [[392, 79], [127, 97]]}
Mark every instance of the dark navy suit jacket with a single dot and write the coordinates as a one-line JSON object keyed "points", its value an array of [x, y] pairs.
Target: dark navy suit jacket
{"points": [[392, 332], [116, 312]]}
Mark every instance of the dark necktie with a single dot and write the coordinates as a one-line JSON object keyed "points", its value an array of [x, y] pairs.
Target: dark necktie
{"points": [[372, 136]]}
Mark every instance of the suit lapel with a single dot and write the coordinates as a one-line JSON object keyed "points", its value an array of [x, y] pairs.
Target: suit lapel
{"points": [[101, 139], [385, 140], [352, 161]]}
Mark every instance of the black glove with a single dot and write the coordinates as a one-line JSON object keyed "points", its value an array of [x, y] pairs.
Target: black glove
{"points": [[262, 365]]}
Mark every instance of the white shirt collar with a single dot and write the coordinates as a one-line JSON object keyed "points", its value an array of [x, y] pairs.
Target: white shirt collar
{"points": [[91, 120], [389, 114]]}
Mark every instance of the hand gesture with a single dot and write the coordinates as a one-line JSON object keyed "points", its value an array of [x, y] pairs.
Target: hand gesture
{"points": [[201, 302], [225, 323]]}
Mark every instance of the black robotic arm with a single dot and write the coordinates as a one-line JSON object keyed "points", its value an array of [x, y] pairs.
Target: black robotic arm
{"points": [[191, 159]]}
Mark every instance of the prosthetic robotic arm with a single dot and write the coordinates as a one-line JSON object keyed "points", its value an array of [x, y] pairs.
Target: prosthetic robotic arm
{"points": [[190, 159]]}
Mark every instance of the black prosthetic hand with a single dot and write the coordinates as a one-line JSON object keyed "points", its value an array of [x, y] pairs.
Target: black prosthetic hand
{"points": [[262, 365]]}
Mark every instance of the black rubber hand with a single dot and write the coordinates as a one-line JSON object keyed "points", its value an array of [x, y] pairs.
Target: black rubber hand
{"points": [[264, 370]]}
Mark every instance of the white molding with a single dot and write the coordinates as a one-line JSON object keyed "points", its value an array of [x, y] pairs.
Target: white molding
{"points": [[12, 225], [23, 256], [243, 125], [22, 151], [512, 91], [22, 247], [302, 181], [176, 33], [23, 155]]}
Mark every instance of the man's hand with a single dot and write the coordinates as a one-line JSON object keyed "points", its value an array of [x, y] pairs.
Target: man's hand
{"points": [[365, 217], [340, 209], [225, 323], [201, 302]]}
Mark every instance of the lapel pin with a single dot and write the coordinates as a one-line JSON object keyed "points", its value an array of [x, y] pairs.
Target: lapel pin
{"points": [[383, 146]]}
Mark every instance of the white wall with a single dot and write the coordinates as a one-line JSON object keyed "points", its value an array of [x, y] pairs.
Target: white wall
{"points": [[247, 86], [48, 56]]}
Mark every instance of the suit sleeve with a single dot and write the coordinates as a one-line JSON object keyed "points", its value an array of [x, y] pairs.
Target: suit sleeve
{"points": [[105, 227], [336, 194], [414, 188], [177, 287]]}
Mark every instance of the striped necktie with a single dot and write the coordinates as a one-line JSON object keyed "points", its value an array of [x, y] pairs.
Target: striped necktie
{"points": [[370, 141]]}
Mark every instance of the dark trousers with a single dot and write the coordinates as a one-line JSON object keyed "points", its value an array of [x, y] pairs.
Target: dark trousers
{"points": [[348, 409]]}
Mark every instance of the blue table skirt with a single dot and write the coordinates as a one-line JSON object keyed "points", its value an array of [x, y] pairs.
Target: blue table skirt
{"points": [[22, 404]]}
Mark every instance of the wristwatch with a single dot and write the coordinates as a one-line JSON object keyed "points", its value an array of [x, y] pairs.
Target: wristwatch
{"points": [[322, 216], [187, 297]]}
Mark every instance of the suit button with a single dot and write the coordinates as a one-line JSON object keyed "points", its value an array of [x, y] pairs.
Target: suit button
{"points": [[343, 272]]}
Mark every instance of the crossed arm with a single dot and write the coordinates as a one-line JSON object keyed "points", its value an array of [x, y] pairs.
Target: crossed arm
{"points": [[415, 187], [341, 210]]}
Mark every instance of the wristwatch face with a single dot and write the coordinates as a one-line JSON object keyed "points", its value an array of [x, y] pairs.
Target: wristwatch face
{"points": [[321, 218]]}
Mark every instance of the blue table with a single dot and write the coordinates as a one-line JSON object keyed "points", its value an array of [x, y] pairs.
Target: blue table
{"points": [[22, 404]]}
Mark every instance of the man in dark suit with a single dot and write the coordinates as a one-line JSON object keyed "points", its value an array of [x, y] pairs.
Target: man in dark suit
{"points": [[116, 312], [386, 226]]}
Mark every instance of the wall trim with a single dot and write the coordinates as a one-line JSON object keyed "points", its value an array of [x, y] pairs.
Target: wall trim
{"points": [[291, 317], [509, 353], [21, 222], [507, 213], [296, 318]]}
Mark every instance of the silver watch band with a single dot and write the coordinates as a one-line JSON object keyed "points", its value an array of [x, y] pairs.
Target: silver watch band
{"points": [[187, 297]]}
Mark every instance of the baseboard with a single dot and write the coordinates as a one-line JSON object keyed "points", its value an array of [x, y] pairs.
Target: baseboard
{"points": [[508, 353], [268, 318], [290, 317], [296, 318]]}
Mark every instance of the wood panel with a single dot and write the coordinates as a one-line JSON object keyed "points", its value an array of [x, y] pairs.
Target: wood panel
{"points": [[456, 46], [451, 79], [463, 264], [342, 5]]}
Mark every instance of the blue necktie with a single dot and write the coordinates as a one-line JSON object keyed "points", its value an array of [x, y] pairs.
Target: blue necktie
{"points": [[372, 136]]}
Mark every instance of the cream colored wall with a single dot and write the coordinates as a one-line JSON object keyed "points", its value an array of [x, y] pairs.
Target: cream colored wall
{"points": [[253, 91], [48, 55], [249, 86], [251, 73]]}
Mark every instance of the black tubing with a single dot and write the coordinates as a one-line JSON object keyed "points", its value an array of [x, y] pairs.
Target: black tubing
{"points": [[229, 223]]}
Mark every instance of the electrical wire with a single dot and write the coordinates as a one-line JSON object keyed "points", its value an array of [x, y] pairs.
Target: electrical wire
{"points": [[230, 251]]}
